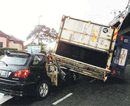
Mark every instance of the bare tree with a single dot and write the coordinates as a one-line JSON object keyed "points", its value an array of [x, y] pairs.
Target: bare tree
{"points": [[41, 32]]}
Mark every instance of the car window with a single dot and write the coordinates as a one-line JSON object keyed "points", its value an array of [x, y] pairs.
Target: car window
{"points": [[14, 60], [37, 59]]}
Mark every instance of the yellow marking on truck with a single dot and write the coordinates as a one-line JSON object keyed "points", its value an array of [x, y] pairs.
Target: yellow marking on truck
{"points": [[95, 34], [115, 34]]}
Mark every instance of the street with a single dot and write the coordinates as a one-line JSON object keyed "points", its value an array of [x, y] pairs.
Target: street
{"points": [[85, 92]]}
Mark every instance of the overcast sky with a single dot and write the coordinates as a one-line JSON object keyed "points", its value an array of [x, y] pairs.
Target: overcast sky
{"points": [[19, 17]]}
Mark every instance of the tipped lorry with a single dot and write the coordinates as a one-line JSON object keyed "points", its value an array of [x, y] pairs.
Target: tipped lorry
{"points": [[90, 49]]}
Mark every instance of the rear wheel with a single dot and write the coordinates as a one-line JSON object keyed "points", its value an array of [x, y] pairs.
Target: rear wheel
{"points": [[74, 77], [43, 89]]}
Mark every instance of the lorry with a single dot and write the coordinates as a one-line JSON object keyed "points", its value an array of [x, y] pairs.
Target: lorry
{"points": [[91, 49]]}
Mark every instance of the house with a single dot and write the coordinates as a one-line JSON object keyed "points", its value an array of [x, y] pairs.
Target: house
{"points": [[10, 41]]}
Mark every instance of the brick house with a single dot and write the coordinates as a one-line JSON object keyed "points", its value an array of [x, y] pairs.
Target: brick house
{"points": [[10, 41]]}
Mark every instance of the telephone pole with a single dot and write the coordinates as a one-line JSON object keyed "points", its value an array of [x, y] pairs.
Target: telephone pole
{"points": [[39, 30]]}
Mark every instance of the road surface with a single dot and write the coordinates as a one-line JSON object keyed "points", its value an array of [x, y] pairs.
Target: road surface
{"points": [[86, 92]]}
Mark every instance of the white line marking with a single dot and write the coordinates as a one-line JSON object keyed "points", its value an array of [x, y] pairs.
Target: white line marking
{"points": [[58, 101], [4, 98]]}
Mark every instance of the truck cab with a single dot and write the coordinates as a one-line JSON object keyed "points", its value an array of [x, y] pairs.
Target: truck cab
{"points": [[122, 46]]}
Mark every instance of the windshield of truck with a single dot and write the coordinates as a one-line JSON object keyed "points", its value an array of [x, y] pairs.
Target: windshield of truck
{"points": [[14, 60]]}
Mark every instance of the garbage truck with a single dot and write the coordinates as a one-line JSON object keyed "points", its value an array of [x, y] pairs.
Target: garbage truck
{"points": [[91, 49]]}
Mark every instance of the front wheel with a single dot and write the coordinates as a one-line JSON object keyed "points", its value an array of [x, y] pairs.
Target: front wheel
{"points": [[43, 89]]}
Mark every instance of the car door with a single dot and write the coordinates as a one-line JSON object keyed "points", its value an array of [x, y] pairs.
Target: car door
{"points": [[52, 70], [41, 65], [34, 67]]}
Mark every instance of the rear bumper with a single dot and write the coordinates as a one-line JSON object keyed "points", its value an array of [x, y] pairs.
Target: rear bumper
{"points": [[11, 92], [16, 88]]}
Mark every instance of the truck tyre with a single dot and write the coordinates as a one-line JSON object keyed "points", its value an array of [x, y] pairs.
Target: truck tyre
{"points": [[43, 89], [74, 77]]}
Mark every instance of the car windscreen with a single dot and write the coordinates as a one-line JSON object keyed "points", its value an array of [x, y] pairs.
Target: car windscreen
{"points": [[15, 60]]}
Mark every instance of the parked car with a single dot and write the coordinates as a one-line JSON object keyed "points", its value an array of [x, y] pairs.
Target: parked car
{"points": [[23, 74]]}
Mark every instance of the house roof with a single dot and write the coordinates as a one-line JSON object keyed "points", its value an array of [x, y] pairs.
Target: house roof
{"points": [[2, 33], [11, 37]]}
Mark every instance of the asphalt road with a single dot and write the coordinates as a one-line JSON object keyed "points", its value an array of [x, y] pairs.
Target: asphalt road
{"points": [[86, 92]]}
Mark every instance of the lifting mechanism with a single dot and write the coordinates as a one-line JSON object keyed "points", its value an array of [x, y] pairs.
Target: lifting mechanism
{"points": [[118, 20]]}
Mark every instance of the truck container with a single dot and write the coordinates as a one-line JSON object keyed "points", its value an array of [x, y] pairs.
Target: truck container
{"points": [[89, 48]]}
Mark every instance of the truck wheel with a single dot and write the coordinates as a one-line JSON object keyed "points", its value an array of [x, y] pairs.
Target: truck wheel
{"points": [[43, 89], [74, 77]]}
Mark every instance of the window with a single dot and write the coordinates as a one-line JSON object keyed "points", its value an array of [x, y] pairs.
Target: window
{"points": [[15, 60], [38, 59], [1, 44]]}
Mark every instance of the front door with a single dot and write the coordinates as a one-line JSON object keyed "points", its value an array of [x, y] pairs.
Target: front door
{"points": [[52, 71]]}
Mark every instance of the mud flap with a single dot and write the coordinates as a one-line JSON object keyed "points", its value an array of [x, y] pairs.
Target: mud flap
{"points": [[4, 98]]}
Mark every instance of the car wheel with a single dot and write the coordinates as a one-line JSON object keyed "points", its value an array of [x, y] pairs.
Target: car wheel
{"points": [[43, 89]]}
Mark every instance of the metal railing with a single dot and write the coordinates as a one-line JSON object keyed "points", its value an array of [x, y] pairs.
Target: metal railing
{"points": [[121, 16]]}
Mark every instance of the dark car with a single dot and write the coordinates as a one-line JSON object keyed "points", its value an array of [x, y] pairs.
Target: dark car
{"points": [[23, 74]]}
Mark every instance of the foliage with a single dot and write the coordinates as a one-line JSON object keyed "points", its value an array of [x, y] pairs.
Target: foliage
{"points": [[2, 50], [43, 51], [41, 32], [21, 50], [30, 44], [8, 48], [43, 46]]}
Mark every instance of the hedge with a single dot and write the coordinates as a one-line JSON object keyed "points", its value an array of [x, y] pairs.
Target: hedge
{"points": [[43, 51], [3, 49]]}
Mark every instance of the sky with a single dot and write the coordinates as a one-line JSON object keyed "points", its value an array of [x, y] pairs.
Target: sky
{"points": [[19, 17]]}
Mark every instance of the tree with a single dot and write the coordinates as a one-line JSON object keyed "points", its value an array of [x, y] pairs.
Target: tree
{"points": [[41, 32], [43, 46], [30, 44]]}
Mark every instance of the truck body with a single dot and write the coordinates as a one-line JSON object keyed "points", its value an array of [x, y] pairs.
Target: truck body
{"points": [[90, 49]]}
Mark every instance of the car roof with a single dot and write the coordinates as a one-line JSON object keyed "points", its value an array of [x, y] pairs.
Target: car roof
{"points": [[38, 54], [22, 52]]}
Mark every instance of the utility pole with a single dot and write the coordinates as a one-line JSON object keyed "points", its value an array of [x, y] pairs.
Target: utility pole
{"points": [[39, 19], [38, 27]]}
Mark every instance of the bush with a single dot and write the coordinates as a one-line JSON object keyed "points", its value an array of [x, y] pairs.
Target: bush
{"points": [[22, 50], [2, 50], [43, 51]]}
